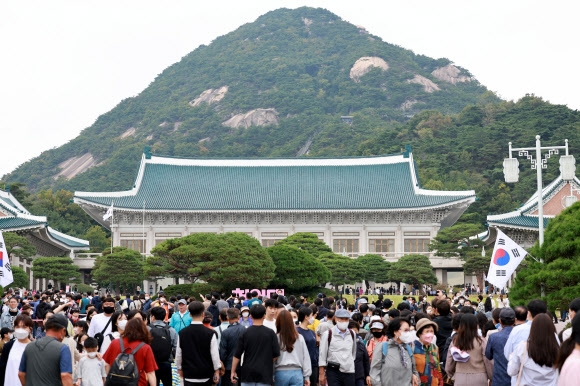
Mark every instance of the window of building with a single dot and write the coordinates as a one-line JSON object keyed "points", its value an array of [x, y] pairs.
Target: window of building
{"points": [[136, 245], [417, 233], [345, 245], [269, 242], [381, 234], [416, 245], [345, 233], [382, 245], [168, 234], [274, 234]]}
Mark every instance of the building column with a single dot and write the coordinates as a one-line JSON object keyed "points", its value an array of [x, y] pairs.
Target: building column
{"points": [[364, 241]]}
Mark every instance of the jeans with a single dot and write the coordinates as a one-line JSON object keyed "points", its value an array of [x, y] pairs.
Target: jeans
{"points": [[336, 378], [288, 378], [164, 374]]}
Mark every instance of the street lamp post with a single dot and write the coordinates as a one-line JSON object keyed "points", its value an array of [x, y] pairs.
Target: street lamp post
{"points": [[567, 171], [511, 171]]}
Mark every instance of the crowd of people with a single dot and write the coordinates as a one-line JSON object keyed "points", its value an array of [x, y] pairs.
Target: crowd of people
{"points": [[88, 339]]}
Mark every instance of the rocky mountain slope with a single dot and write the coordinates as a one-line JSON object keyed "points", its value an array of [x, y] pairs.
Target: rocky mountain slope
{"points": [[275, 87]]}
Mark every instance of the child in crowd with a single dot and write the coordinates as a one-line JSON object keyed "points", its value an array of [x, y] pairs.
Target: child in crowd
{"points": [[90, 369]]}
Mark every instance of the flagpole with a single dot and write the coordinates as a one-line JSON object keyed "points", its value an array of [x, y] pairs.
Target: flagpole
{"points": [[112, 221], [143, 230]]}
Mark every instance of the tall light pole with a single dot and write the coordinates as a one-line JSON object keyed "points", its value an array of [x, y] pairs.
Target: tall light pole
{"points": [[567, 171], [511, 170]]}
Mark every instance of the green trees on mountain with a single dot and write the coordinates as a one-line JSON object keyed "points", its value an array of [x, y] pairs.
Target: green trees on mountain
{"points": [[556, 265]]}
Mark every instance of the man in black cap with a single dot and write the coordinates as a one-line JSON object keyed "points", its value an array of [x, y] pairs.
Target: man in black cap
{"points": [[47, 361], [495, 345]]}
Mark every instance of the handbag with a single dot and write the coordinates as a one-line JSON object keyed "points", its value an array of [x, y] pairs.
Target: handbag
{"points": [[522, 366]]}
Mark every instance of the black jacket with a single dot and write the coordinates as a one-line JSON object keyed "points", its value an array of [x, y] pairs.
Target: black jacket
{"points": [[4, 359], [228, 343], [362, 364], [444, 331]]}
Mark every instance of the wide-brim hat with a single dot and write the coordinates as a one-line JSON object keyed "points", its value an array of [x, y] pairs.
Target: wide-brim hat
{"points": [[422, 323]]}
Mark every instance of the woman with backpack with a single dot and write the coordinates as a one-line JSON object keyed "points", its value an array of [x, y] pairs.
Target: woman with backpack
{"points": [[466, 355], [293, 367], [393, 362], [134, 341]]}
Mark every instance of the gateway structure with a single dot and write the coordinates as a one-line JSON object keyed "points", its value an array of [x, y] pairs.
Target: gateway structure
{"points": [[14, 217], [356, 205]]}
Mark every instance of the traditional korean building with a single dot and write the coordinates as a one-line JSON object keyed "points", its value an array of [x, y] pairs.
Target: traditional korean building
{"points": [[48, 241], [356, 205], [522, 224]]}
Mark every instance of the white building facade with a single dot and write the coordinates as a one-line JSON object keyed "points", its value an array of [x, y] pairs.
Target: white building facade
{"points": [[355, 205]]}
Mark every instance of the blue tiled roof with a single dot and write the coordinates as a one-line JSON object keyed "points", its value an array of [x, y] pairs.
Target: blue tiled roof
{"points": [[167, 186], [7, 223], [67, 240], [521, 221]]}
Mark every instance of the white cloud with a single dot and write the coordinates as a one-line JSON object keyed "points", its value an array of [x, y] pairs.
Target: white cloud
{"points": [[64, 63]]}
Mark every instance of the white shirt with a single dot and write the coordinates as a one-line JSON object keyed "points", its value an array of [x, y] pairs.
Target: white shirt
{"points": [[270, 324], [98, 322], [215, 357], [107, 341], [14, 364], [532, 373]]}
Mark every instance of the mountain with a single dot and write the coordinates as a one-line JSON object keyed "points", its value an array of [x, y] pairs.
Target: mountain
{"points": [[276, 87]]}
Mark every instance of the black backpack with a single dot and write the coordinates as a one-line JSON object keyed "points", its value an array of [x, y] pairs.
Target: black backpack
{"points": [[161, 344], [124, 370]]}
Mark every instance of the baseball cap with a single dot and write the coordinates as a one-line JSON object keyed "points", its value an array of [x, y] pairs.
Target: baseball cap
{"points": [[59, 320], [181, 301], [362, 301], [342, 313], [507, 313], [378, 325]]}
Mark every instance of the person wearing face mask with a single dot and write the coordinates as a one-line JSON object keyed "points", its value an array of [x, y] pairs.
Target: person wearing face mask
{"points": [[378, 336], [337, 352], [47, 361], [393, 362], [7, 319], [246, 320], [180, 319], [91, 370], [101, 323], [118, 323], [146, 302], [305, 319], [12, 351], [163, 303], [81, 327], [426, 354]]}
